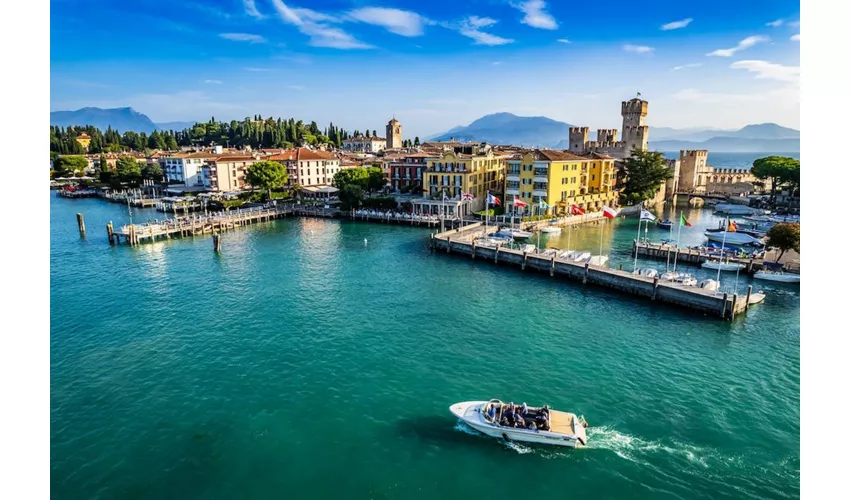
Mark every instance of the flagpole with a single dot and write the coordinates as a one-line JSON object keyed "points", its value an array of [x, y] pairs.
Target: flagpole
{"points": [[637, 241], [601, 233], [486, 211], [678, 238], [720, 259]]}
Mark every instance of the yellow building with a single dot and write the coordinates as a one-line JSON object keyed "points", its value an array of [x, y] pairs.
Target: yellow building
{"points": [[84, 139], [560, 179], [457, 173]]}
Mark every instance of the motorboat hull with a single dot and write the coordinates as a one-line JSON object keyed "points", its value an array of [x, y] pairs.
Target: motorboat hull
{"points": [[550, 230], [778, 277], [733, 238], [723, 266], [470, 413]]}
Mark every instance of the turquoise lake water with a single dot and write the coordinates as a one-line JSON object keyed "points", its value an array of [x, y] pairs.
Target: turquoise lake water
{"points": [[301, 363]]}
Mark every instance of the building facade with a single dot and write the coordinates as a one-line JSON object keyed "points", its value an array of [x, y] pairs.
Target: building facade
{"points": [[394, 139], [407, 171], [635, 133], [308, 168], [457, 173], [227, 173], [185, 168], [559, 179], [694, 170], [362, 144], [84, 139]]}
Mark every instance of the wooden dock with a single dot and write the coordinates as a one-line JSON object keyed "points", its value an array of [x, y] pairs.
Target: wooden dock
{"points": [[136, 234], [662, 251], [720, 304]]}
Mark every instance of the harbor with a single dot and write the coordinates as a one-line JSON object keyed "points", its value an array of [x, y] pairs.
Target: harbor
{"points": [[463, 241]]}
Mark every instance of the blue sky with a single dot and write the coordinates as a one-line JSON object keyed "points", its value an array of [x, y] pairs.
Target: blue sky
{"points": [[433, 65]]}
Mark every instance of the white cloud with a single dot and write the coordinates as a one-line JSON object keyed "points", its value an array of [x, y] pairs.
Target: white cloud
{"points": [[535, 14], [251, 9], [676, 24], [794, 24], [795, 38], [637, 49], [695, 95], [691, 65], [314, 25], [775, 24], [400, 22], [214, 82], [242, 37], [769, 70], [471, 28], [496, 63], [743, 44], [564, 40]]}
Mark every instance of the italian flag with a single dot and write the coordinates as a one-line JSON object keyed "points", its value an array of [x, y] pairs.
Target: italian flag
{"points": [[684, 221], [609, 212]]}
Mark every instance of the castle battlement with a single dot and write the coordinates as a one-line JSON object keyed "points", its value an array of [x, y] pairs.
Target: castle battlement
{"points": [[579, 130], [635, 133], [694, 152], [635, 106]]}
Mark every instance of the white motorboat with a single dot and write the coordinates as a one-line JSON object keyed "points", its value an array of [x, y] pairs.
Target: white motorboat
{"points": [[723, 266], [709, 284], [492, 419], [514, 233], [734, 209], [550, 229], [732, 238], [680, 278], [768, 275], [550, 252], [527, 248], [581, 257], [646, 272]]}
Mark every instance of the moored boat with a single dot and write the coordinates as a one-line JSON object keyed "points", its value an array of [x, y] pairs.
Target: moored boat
{"points": [[664, 224], [598, 260], [733, 238], [723, 266], [709, 284], [646, 272], [783, 277], [550, 229], [514, 233], [536, 425]]}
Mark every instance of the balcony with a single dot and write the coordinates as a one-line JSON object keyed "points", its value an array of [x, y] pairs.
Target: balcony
{"points": [[512, 191], [540, 192], [513, 177], [541, 178]]}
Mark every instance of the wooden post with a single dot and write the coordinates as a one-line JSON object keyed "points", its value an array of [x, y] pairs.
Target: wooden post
{"points": [[723, 311], [111, 237], [473, 250], [749, 291], [81, 223], [217, 242], [654, 287], [552, 268], [621, 267], [749, 270], [524, 259], [586, 270], [448, 245], [734, 303], [496, 257]]}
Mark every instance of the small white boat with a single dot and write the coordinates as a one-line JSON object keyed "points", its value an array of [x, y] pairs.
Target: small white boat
{"points": [[581, 257], [709, 284], [780, 276], [492, 419], [723, 266], [527, 248], [733, 238], [550, 229], [734, 209], [646, 272], [680, 278], [550, 252], [514, 233]]}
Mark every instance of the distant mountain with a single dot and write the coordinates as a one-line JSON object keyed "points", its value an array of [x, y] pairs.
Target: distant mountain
{"points": [[122, 119], [507, 128], [175, 125], [759, 131], [729, 145], [686, 134], [766, 131]]}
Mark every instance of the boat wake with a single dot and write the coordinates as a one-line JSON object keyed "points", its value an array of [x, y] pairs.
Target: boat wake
{"points": [[636, 449]]}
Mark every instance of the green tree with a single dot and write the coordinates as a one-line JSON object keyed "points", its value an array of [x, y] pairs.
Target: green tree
{"points": [[171, 143], [352, 177], [784, 237], [266, 175], [73, 165], [350, 196], [645, 172], [416, 141], [374, 178], [781, 170], [128, 170], [152, 171]]}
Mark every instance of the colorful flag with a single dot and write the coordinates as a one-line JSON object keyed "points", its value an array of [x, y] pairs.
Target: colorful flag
{"points": [[493, 200], [466, 196], [544, 205], [576, 210], [684, 221], [645, 215], [445, 198], [733, 227], [609, 212], [519, 203]]}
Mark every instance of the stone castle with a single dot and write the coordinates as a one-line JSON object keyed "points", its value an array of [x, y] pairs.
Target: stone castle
{"points": [[635, 133]]}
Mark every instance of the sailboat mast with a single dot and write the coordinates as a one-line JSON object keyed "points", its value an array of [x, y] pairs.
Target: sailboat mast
{"points": [[722, 246], [678, 238]]}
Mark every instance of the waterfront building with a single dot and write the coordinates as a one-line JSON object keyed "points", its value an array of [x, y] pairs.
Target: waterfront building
{"points": [[307, 167], [394, 134], [560, 179], [407, 171], [454, 173], [361, 144], [635, 133], [185, 168], [226, 173]]}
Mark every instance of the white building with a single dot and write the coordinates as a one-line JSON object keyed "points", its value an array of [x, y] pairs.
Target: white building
{"points": [[308, 168], [362, 144], [185, 169]]}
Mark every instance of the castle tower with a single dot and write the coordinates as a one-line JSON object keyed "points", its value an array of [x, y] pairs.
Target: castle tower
{"points": [[606, 135], [693, 170], [578, 139], [635, 130], [393, 134]]}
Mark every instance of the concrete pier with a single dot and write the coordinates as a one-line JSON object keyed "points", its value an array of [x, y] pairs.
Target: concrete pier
{"points": [[460, 242]]}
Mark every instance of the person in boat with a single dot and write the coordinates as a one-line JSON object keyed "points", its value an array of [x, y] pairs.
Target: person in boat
{"points": [[510, 415], [532, 426], [524, 410], [491, 412]]}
